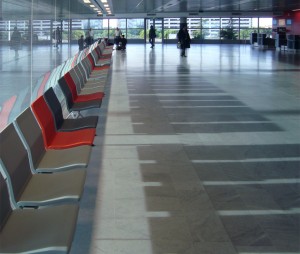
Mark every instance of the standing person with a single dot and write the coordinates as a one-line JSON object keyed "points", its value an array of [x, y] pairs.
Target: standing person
{"points": [[184, 39], [57, 37], [152, 36], [81, 43], [15, 41], [118, 34], [90, 37]]}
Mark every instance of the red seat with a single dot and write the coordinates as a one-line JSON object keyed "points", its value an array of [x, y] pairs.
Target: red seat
{"points": [[84, 97], [59, 140]]}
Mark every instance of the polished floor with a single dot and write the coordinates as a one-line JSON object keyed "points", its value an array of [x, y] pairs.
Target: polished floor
{"points": [[195, 155]]}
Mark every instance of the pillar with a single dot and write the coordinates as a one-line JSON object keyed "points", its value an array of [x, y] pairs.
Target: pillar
{"points": [[183, 22]]}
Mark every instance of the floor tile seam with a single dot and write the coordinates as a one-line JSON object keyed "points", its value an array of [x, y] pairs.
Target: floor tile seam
{"points": [[174, 216], [245, 205]]}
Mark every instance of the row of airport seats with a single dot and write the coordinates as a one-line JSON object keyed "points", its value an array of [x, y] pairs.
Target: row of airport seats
{"points": [[43, 161]]}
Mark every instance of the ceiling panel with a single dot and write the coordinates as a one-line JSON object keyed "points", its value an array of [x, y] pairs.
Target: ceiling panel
{"points": [[169, 6], [12, 9]]}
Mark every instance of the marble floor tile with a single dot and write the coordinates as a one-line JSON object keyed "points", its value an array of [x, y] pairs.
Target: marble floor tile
{"points": [[194, 156], [206, 226], [214, 248], [246, 231], [121, 247]]}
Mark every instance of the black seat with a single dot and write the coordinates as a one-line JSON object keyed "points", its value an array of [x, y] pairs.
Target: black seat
{"points": [[78, 106], [62, 124]]}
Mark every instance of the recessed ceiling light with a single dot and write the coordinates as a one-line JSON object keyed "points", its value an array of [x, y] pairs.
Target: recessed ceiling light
{"points": [[87, 1], [92, 5], [106, 5], [104, 1]]}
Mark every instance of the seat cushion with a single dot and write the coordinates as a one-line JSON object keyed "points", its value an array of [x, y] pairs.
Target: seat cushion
{"points": [[89, 97], [64, 140]]}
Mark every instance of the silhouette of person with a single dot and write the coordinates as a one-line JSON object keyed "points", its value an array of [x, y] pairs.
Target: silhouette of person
{"points": [[81, 43], [152, 36], [15, 41], [184, 39]]}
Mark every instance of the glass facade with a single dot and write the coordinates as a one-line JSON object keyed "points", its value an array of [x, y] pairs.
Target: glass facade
{"points": [[36, 33], [212, 28], [135, 29]]}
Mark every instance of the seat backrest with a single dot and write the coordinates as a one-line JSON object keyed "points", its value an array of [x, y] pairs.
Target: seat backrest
{"points": [[87, 65], [31, 133], [101, 47], [97, 51], [55, 107], [67, 92], [6, 209], [80, 74], [71, 85], [89, 56], [14, 162], [76, 80], [83, 71], [45, 119], [95, 56]]}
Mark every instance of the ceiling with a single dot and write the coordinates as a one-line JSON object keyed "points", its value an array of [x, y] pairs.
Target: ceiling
{"points": [[171, 6], [12, 9]]}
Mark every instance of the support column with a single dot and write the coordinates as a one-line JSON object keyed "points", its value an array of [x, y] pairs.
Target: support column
{"points": [[1, 15], [183, 22]]}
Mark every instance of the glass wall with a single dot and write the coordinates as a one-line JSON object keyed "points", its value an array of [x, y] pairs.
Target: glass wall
{"points": [[135, 29], [195, 25], [99, 27], [7, 27], [171, 27], [212, 28], [265, 26], [113, 24], [24, 67], [27, 56], [78, 28], [41, 30], [229, 28]]}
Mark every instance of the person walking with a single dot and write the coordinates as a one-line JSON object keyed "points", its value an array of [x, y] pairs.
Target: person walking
{"points": [[152, 36], [15, 41], [184, 39], [59, 35], [56, 36]]}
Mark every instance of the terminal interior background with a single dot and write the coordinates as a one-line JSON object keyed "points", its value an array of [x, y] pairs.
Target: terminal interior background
{"points": [[195, 155], [36, 21]]}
